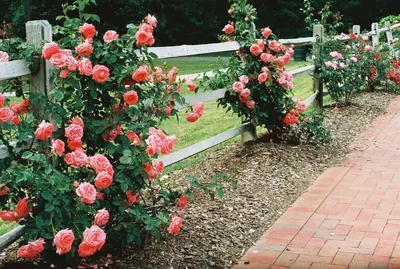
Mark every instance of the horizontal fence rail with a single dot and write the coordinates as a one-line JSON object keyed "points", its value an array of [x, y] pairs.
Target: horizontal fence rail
{"points": [[14, 69], [204, 145], [190, 50]]}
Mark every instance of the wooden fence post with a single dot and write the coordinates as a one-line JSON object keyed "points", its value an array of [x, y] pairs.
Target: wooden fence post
{"points": [[389, 34], [36, 32], [318, 33], [375, 35], [356, 29]]}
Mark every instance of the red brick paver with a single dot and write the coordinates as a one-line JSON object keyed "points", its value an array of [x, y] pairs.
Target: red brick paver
{"points": [[349, 217]]}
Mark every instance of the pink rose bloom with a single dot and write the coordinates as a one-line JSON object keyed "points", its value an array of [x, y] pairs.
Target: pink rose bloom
{"points": [[245, 93], [32, 250], [2, 100], [4, 190], [101, 217], [267, 57], [301, 106], [159, 166], [86, 250], [255, 50], [263, 77], [72, 64], [266, 32], [172, 74], [59, 60], [238, 86], [354, 59], [131, 97], [49, 49], [3, 56], [78, 121], [342, 65], [190, 84], [369, 48], [175, 225], [86, 192], [140, 74], [144, 36], [88, 30], [295, 100], [250, 104], [44, 130], [63, 241], [365, 38], [159, 73], [199, 109], [228, 29], [275, 46], [94, 236], [85, 67], [6, 114], [84, 49], [100, 73], [261, 44], [151, 20], [192, 117], [8, 215], [333, 54], [100, 163], [103, 180], [347, 47], [290, 51], [74, 132], [130, 198], [110, 36], [58, 146], [64, 73], [133, 137], [147, 28], [76, 159], [244, 79]]}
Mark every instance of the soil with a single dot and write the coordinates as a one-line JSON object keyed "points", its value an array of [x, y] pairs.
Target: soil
{"points": [[271, 176]]}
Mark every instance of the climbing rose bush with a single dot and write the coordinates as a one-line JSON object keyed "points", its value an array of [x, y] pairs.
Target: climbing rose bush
{"points": [[84, 171], [353, 66], [259, 86]]}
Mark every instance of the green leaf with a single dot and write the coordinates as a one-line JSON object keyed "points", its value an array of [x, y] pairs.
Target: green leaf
{"points": [[48, 207], [74, 83], [234, 185], [221, 193], [27, 155], [59, 95], [47, 196], [125, 159], [148, 102], [153, 55]]}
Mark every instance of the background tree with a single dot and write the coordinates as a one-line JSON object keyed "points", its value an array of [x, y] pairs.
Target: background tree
{"points": [[201, 21]]}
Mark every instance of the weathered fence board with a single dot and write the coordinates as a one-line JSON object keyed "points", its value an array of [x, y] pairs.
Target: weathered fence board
{"points": [[203, 145], [10, 237], [14, 69]]}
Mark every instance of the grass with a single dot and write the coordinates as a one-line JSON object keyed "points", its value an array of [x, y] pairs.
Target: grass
{"points": [[7, 226]]}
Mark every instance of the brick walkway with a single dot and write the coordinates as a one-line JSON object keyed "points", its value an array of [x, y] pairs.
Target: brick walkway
{"points": [[350, 216]]}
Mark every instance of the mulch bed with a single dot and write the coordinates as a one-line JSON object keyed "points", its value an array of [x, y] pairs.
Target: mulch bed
{"points": [[271, 176]]}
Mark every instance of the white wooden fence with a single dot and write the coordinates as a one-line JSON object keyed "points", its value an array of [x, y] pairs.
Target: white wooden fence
{"points": [[39, 82]]}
